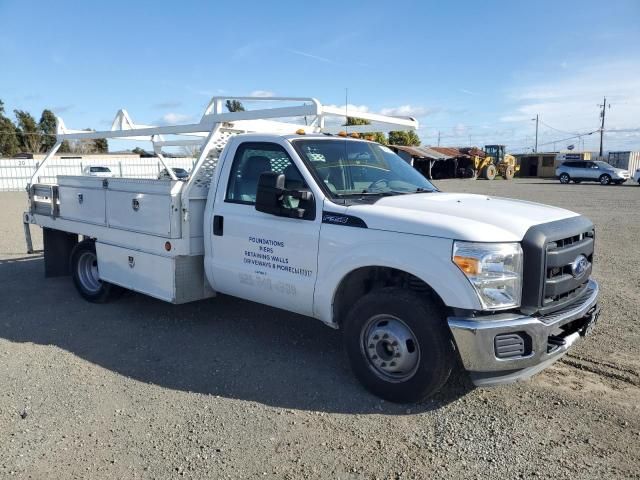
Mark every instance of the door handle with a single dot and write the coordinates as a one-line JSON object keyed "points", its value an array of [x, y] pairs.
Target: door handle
{"points": [[218, 225]]}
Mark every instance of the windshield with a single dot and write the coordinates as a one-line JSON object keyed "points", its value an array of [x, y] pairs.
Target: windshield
{"points": [[352, 168], [603, 164]]}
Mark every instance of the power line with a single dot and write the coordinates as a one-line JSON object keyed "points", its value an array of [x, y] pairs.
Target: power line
{"points": [[557, 129]]}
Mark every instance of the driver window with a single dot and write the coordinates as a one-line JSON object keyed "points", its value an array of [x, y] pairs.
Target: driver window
{"points": [[251, 160]]}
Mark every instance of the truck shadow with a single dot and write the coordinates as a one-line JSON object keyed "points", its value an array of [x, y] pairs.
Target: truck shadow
{"points": [[222, 346]]}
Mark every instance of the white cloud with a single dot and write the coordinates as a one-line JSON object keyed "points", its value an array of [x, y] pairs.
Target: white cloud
{"points": [[172, 117], [568, 100], [351, 108], [468, 92], [405, 111], [262, 93]]}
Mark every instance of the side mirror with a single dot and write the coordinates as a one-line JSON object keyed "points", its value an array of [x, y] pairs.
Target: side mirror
{"points": [[270, 192], [273, 198]]}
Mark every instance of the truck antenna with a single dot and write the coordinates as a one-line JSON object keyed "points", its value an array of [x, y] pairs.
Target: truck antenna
{"points": [[346, 109]]}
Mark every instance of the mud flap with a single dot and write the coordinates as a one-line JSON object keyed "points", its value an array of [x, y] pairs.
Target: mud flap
{"points": [[57, 251]]}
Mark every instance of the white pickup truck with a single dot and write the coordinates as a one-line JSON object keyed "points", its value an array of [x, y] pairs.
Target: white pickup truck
{"points": [[336, 228]]}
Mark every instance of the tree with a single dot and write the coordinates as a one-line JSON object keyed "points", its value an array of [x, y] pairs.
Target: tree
{"points": [[409, 138], [375, 136], [100, 145], [65, 147], [234, 106], [47, 127], [138, 151], [28, 132], [9, 145], [357, 121]]}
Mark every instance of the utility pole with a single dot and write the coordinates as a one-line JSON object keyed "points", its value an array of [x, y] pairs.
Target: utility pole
{"points": [[602, 113], [535, 150], [438, 137]]}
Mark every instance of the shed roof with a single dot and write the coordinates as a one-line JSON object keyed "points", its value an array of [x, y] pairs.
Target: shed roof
{"points": [[422, 152]]}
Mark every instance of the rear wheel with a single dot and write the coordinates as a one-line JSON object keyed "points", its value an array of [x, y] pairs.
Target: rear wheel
{"points": [[398, 345], [489, 172], [470, 173], [85, 274], [564, 178], [605, 179]]}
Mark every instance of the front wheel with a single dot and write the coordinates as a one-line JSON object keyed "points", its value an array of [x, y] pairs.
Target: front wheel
{"points": [[489, 172], [564, 178], [84, 271], [605, 179], [509, 172], [398, 345]]}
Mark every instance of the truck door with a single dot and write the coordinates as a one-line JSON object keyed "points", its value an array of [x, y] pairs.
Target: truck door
{"points": [[258, 256]]}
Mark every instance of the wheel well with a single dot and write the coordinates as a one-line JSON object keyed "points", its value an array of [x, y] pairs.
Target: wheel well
{"points": [[363, 280]]}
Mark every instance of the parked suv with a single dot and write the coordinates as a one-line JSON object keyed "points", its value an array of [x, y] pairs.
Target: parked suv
{"points": [[589, 171]]}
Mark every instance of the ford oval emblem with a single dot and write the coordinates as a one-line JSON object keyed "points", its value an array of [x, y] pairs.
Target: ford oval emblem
{"points": [[579, 266]]}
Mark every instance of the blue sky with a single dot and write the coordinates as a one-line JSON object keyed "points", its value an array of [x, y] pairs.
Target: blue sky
{"points": [[477, 72]]}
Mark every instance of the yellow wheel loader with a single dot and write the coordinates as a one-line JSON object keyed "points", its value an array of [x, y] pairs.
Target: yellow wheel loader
{"points": [[490, 162]]}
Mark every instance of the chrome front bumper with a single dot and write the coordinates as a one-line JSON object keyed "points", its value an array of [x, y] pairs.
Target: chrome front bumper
{"points": [[475, 339]]}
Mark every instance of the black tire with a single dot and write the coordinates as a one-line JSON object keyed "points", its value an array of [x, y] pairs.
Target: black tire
{"points": [[489, 172], [84, 271], [509, 172], [605, 179], [470, 173], [428, 356], [565, 178]]}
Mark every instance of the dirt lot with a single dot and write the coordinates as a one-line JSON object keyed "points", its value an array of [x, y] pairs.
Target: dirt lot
{"points": [[229, 389]]}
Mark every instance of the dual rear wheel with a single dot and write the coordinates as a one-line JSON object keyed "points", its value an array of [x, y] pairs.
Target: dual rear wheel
{"points": [[86, 276]]}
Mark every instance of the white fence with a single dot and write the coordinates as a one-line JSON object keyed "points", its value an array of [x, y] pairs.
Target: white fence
{"points": [[15, 173]]}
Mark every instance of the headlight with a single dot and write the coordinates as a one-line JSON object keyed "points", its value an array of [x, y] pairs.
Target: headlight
{"points": [[494, 270]]}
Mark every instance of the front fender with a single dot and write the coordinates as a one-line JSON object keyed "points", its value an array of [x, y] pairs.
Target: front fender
{"points": [[344, 249]]}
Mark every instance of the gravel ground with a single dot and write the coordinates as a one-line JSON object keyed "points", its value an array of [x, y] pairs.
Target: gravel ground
{"points": [[225, 388]]}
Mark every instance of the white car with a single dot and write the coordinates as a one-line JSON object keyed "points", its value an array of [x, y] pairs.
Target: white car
{"points": [[636, 176], [97, 171]]}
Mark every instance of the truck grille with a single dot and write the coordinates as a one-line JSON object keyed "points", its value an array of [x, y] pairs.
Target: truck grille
{"points": [[558, 258], [561, 281]]}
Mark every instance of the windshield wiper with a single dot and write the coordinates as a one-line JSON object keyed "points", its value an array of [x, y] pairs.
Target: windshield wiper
{"points": [[423, 190], [365, 193]]}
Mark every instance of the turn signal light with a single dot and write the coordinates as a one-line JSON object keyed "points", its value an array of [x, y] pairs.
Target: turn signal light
{"points": [[300, 131], [355, 135], [342, 134], [470, 266]]}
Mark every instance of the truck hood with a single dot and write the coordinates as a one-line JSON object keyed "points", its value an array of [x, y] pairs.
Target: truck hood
{"points": [[457, 216]]}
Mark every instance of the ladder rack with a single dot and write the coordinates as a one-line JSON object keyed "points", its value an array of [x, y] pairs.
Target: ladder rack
{"points": [[282, 115]]}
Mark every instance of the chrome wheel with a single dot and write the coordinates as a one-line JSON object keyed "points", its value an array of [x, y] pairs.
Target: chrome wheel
{"points": [[564, 178], [390, 347], [605, 180], [88, 272]]}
